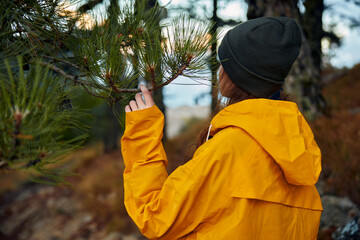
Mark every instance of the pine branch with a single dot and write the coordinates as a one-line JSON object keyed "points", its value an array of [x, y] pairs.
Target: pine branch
{"points": [[172, 78], [74, 78], [63, 61], [178, 73]]}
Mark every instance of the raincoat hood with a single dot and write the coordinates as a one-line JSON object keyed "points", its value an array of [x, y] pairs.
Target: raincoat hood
{"points": [[281, 130]]}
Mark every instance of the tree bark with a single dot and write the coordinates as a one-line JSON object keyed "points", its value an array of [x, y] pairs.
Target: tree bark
{"points": [[158, 93], [312, 25], [112, 130], [304, 79], [214, 65]]}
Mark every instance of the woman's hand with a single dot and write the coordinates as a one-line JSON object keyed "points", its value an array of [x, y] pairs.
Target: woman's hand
{"points": [[139, 103]]}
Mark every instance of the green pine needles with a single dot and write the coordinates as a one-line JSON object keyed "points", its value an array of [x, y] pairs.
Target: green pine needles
{"points": [[106, 57], [114, 57], [35, 111]]}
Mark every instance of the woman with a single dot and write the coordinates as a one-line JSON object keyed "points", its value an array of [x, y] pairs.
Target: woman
{"points": [[254, 175]]}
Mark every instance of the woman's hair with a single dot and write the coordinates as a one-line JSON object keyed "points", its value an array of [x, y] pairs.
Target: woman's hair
{"points": [[235, 95]]}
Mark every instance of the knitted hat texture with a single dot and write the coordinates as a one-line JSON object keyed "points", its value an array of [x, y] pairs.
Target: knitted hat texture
{"points": [[258, 54]]}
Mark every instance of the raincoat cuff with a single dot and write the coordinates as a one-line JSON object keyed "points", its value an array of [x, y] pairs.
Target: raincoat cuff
{"points": [[142, 137], [143, 118]]}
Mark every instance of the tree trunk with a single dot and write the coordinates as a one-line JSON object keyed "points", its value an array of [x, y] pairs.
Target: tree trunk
{"points": [[158, 93], [214, 65], [159, 101], [304, 79], [112, 130], [312, 25]]}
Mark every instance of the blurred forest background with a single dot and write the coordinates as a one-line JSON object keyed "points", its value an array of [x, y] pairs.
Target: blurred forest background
{"points": [[83, 194]]}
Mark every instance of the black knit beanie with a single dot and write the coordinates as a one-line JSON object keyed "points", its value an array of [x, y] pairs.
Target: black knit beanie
{"points": [[258, 54]]}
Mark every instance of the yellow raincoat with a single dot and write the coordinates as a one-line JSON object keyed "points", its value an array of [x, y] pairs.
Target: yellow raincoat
{"points": [[254, 179]]}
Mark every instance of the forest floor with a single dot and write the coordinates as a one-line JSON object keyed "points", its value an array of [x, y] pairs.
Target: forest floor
{"points": [[92, 208]]}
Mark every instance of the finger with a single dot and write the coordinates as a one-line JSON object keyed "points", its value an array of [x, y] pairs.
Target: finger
{"points": [[139, 101], [149, 101], [127, 108], [133, 105]]}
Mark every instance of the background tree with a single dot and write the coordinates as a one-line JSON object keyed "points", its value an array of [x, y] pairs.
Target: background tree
{"points": [[158, 93], [198, 11], [304, 80], [104, 59]]}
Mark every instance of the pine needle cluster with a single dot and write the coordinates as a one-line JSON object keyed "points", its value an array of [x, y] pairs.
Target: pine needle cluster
{"points": [[35, 111], [107, 59]]}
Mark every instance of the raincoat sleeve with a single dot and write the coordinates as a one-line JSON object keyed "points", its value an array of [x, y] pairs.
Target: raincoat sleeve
{"points": [[162, 206]]}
